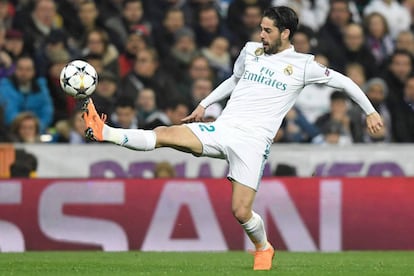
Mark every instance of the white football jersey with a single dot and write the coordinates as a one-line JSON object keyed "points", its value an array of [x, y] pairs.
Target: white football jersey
{"points": [[268, 87]]}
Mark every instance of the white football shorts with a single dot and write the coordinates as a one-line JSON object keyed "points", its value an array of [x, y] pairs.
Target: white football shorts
{"points": [[245, 153]]}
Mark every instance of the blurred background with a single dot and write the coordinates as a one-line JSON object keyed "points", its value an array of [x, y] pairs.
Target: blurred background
{"points": [[327, 180]]}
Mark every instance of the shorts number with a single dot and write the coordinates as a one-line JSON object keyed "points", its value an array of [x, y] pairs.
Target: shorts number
{"points": [[208, 128]]}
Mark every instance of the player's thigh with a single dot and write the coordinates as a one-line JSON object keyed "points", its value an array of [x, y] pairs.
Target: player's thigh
{"points": [[179, 137]]}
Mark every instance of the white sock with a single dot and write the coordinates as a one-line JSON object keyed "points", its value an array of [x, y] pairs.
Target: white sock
{"points": [[255, 229], [136, 139]]}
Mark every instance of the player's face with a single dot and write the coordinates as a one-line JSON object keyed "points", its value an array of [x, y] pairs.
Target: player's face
{"points": [[270, 36]]}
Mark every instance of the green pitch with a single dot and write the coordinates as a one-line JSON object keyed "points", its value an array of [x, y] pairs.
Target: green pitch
{"points": [[228, 263]]}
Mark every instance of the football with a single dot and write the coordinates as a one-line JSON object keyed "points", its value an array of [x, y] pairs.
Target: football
{"points": [[78, 79]]}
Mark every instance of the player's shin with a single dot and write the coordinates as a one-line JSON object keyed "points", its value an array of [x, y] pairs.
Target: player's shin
{"points": [[255, 229], [136, 139]]}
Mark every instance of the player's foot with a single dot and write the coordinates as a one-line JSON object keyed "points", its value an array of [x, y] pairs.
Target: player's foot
{"points": [[263, 258], [94, 123]]}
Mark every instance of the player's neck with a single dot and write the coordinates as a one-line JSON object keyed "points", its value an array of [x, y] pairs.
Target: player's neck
{"points": [[283, 47]]}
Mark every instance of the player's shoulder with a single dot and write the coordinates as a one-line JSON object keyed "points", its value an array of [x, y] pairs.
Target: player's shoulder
{"points": [[252, 47], [299, 59], [302, 56]]}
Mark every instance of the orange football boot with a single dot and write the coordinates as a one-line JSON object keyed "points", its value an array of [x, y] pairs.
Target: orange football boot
{"points": [[263, 258], [94, 123]]}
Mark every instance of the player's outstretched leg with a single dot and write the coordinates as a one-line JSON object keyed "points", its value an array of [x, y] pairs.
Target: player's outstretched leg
{"points": [[97, 130]]}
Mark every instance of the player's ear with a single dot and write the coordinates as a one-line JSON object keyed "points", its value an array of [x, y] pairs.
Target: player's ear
{"points": [[285, 34]]}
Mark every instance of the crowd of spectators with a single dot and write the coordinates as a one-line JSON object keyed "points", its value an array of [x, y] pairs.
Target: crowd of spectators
{"points": [[156, 59]]}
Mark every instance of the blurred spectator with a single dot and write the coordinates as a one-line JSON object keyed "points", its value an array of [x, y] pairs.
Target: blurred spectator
{"points": [[399, 69], [6, 13], [339, 108], [314, 100], [397, 16], [24, 92], [172, 115], [63, 104], [355, 71], [333, 133], [25, 128], [356, 50], [199, 68], [148, 73], [237, 8], [296, 129], [25, 165], [403, 115], [164, 34], [250, 21], [109, 8], [132, 18], [284, 170], [378, 37], [146, 104], [209, 26], [376, 90], [105, 94], [255, 36], [136, 42], [405, 41], [96, 61], [55, 43], [38, 24], [97, 43], [6, 60], [330, 36], [183, 50], [4, 131], [156, 10], [191, 8], [310, 13], [72, 130], [89, 20], [14, 43], [218, 57], [164, 170], [200, 89], [304, 40], [125, 114], [79, 18]]}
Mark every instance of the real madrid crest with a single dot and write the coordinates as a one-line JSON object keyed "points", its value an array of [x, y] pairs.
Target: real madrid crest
{"points": [[288, 70], [259, 51]]}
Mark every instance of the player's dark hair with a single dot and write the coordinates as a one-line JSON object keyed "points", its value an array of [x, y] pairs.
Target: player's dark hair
{"points": [[283, 18]]}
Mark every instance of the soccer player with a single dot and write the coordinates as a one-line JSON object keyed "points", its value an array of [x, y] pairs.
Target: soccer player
{"points": [[267, 78]]}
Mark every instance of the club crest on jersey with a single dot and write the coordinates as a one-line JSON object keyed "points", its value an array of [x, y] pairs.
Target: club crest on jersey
{"points": [[259, 51], [288, 70]]}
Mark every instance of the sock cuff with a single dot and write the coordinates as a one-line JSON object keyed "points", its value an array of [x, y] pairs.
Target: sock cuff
{"points": [[252, 222]]}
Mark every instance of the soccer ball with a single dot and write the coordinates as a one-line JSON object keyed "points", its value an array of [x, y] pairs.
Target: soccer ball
{"points": [[78, 79]]}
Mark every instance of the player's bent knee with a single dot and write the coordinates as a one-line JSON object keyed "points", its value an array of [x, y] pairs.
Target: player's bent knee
{"points": [[242, 213]]}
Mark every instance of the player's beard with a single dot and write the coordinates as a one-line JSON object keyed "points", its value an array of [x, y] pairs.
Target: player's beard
{"points": [[273, 48]]}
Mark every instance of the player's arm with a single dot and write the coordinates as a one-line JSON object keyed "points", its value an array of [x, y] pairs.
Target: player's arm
{"points": [[339, 81], [221, 92], [315, 73]]}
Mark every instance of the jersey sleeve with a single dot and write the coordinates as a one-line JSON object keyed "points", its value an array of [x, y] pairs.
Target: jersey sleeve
{"points": [[238, 68], [316, 73]]}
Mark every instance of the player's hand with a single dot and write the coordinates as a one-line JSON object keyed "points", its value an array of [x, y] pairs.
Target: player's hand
{"points": [[374, 122], [196, 116]]}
